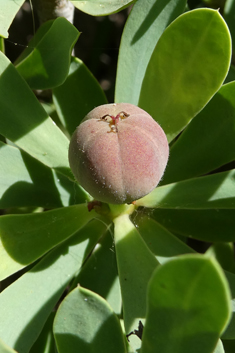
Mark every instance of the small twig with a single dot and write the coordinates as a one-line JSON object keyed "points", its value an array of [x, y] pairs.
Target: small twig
{"points": [[138, 332]]}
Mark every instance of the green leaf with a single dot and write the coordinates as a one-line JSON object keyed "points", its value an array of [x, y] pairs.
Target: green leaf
{"points": [[229, 346], [228, 13], [160, 241], [5, 349], [207, 225], [77, 96], [27, 303], [212, 191], [45, 62], [229, 333], [188, 306], [136, 264], [7, 14], [25, 238], [100, 275], [197, 150], [28, 125], [219, 347], [101, 7], [224, 254], [27, 182], [188, 66], [45, 342], [145, 24], [86, 323]]}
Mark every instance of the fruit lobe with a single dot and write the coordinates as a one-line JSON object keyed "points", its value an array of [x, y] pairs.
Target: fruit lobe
{"points": [[118, 153]]}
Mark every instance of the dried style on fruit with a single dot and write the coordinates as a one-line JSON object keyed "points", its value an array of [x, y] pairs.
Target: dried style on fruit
{"points": [[118, 153]]}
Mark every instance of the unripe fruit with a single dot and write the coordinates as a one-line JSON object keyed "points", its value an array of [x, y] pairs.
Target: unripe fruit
{"points": [[118, 153]]}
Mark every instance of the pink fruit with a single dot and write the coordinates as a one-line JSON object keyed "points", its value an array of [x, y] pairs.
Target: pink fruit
{"points": [[118, 153]]}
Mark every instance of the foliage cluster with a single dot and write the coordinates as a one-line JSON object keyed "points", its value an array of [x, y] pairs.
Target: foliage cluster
{"points": [[74, 280]]}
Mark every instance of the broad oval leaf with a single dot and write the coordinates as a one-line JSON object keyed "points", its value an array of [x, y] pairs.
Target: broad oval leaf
{"points": [[86, 323], [39, 289], [144, 26], [27, 182], [208, 142], [27, 124], [45, 62], [25, 238], [188, 306], [101, 7], [188, 66]]}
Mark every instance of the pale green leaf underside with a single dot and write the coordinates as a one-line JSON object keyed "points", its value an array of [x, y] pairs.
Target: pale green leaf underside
{"points": [[8, 10]]}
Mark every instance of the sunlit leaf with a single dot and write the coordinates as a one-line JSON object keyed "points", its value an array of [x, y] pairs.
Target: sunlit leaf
{"points": [[144, 26], [27, 182], [136, 264], [25, 238], [212, 191], [27, 303], [7, 13], [160, 241], [85, 322], [101, 7], [180, 78], [45, 62], [208, 142]]}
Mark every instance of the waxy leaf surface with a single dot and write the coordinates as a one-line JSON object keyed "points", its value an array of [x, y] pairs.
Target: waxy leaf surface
{"points": [[212, 191], [85, 322], [25, 238], [136, 264], [45, 62], [144, 26], [187, 67], [160, 241], [208, 142], [27, 182], [188, 306], [100, 7], [27, 124], [39, 289]]}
